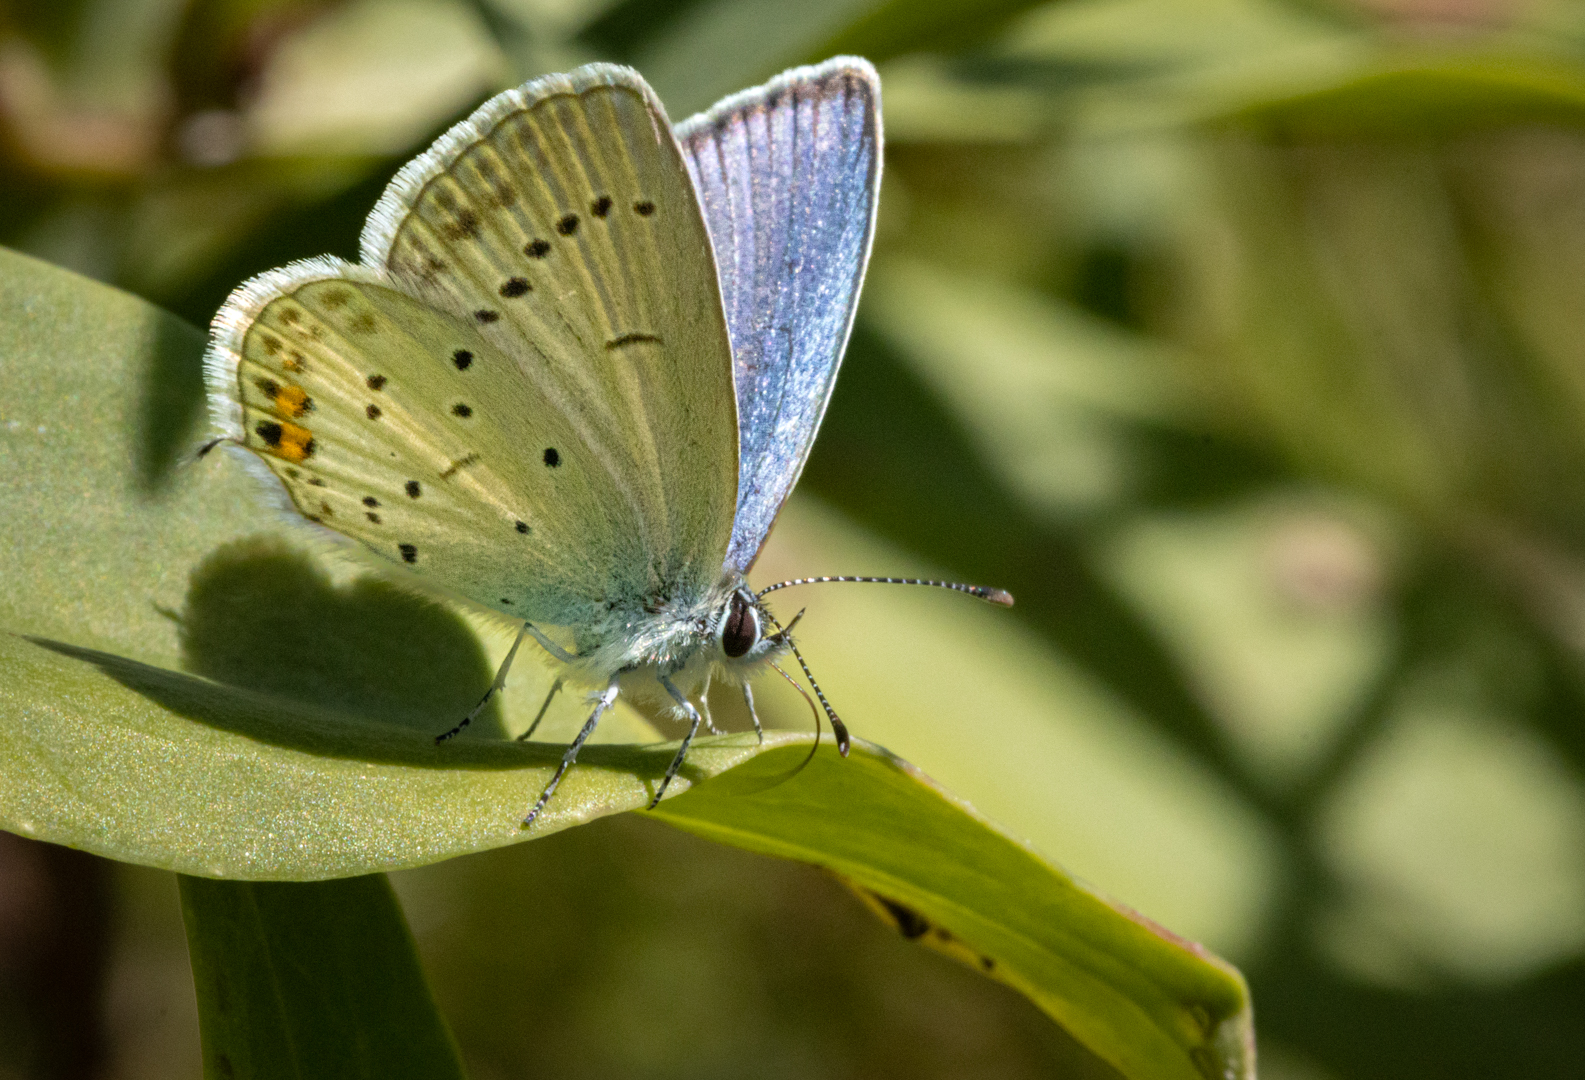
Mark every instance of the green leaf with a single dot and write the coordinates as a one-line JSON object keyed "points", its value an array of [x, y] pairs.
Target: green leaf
{"points": [[1147, 1002], [188, 683], [311, 980], [1422, 93], [717, 48], [151, 766], [1297, 69], [1043, 387]]}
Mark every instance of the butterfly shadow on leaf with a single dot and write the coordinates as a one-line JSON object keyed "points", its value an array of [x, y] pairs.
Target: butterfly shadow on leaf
{"points": [[277, 651], [265, 616]]}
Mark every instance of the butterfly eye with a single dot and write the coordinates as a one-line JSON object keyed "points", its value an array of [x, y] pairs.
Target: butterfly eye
{"points": [[741, 632]]}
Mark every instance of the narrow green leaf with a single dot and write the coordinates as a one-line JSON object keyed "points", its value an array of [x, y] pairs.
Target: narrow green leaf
{"points": [[311, 980], [1294, 68], [1423, 92], [716, 48], [1151, 1004], [719, 47]]}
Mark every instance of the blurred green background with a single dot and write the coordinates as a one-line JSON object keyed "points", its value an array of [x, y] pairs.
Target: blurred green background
{"points": [[1240, 339]]}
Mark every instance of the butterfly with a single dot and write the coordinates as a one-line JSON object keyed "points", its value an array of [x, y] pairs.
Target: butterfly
{"points": [[579, 367]]}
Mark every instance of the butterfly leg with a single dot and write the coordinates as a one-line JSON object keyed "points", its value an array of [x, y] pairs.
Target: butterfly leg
{"points": [[748, 699], [682, 751], [548, 645], [495, 687], [607, 699], [529, 734], [704, 707]]}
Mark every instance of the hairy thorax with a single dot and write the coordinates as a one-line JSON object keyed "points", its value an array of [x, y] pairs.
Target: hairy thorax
{"points": [[675, 632]]}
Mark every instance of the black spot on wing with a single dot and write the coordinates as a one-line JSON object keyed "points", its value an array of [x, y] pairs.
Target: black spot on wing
{"points": [[486, 316], [601, 206], [409, 552], [522, 526], [462, 410], [631, 339], [514, 287], [287, 440], [461, 463], [372, 412], [372, 516], [462, 358], [643, 208], [413, 490], [370, 501], [290, 401], [376, 382], [567, 225], [537, 249], [552, 456], [464, 226]]}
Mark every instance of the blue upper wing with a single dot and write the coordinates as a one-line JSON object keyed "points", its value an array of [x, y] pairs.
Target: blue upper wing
{"points": [[788, 174]]}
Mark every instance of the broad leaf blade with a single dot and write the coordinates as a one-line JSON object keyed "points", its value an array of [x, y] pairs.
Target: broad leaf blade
{"points": [[190, 681], [311, 980], [157, 767]]}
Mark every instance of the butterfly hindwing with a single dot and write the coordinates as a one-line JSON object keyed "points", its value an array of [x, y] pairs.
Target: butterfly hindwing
{"points": [[390, 422], [788, 174]]}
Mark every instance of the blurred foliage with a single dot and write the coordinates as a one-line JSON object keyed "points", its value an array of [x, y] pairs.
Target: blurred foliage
{"points": [[1237, 338]]}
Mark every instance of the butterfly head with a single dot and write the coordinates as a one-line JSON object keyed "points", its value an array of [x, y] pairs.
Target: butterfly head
{"points": [[741, 633]]}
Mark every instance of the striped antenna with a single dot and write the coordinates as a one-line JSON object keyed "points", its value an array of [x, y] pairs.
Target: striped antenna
{"points": [[1000, 597], [838, 728]]}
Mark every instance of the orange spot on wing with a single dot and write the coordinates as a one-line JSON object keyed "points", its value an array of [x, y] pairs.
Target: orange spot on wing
{"points": [[287, 441], [292, 400]]}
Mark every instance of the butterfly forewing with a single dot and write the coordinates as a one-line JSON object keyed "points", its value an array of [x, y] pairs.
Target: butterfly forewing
{"points": [[564, 228], [788, 174], [525, 393]]}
